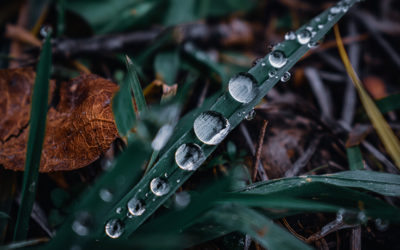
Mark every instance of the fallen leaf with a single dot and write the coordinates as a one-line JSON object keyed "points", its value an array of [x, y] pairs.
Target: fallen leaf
{"points": [[358, 134], [78, 130], [375, 86]]}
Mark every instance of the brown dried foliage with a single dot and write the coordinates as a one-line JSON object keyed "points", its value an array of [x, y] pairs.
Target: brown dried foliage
{"points": [[77, 132]]}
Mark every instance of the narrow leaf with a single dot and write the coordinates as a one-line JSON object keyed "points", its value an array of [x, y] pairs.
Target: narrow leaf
{"points": [[355, 159], [136, 87], [388, 103], [166, 65], [385, 133], [38, 117]]}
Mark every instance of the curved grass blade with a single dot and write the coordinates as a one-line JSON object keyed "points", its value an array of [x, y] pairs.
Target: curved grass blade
{"points": [[232, 110], [385, 133], [381, 183], [37, 127], [22, 244], [137, 89]]}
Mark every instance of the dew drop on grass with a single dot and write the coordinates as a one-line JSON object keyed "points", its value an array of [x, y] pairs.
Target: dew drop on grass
{"points": [[182, 199], [136, 206], [320, 26], [290, 36], [250, 115], [317, 19], [285, 77], [177, 181], [311, 45], [381, 225], [189, 156], [345, 8], [331, 17], [45, 29], [129, 215], [32, 187], [351, 218], [335, 9], [309, 28], [304, 36], [114, 228], [82, 223], [159, 186], [263, 64], [105, 195], [277, 58], [119, 210], [272, 73], [211, 127], [166, 174], [243, 87]]}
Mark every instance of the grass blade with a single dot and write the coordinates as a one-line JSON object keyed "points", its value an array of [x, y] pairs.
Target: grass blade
{"points": [[388, 103], [136, 87], [228, 107], [355, 159], [37, 127], [385, 133]]}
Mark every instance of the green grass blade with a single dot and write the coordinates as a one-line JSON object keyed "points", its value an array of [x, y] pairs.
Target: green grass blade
{"points": [[22, 244], [261, 228], [4, 216], [7, 189], [388, 103], [136, 87], [355, 159], [37, 127], [166, 66], [232, 110]]}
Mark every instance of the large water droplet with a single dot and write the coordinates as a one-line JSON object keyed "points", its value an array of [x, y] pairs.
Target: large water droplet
{"points": [[162, 137], [82, 223], [285, 77], [250, 115], [290, 36], [115, 228], [243, 87], [381, 225], [211, 127], [189, 156], [159, 186], [304, 36], [45, 29], [136, 206], [32, 187], [105, 195], [277, 58]]}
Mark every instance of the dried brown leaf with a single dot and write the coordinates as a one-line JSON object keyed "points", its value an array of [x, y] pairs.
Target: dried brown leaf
{"points": [[78, 131]]}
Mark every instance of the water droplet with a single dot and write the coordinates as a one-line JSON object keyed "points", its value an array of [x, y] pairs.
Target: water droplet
{"points": [[304, 36], [320, 26], [119, 210], [272, 73], [140, 190], [309, 28], [285, 77], [263, 64], [351, 218], [32, 187], [136, 206], [166, 174], [45, 29], [239, 114], [256, 61], [277, 58], [290, 36], [331, 17], [114, 228], [311, 45], [189, 156], [243, 87], [129, 215], [105, 195], [345, 8], [211, 127], [159, 186], [317, 19], [147, 195], [82, 223], [162, 137], [381, 225], [335, 9], [250, 115], [177, 181], [182, 199]]}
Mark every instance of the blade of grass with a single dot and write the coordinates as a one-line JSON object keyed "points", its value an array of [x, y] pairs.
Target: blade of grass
{"points": [[136, 87], [355, 159], [7, 189], [37, 127], [22, 244], [385, 133], [388, 103], [228, 107]]}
